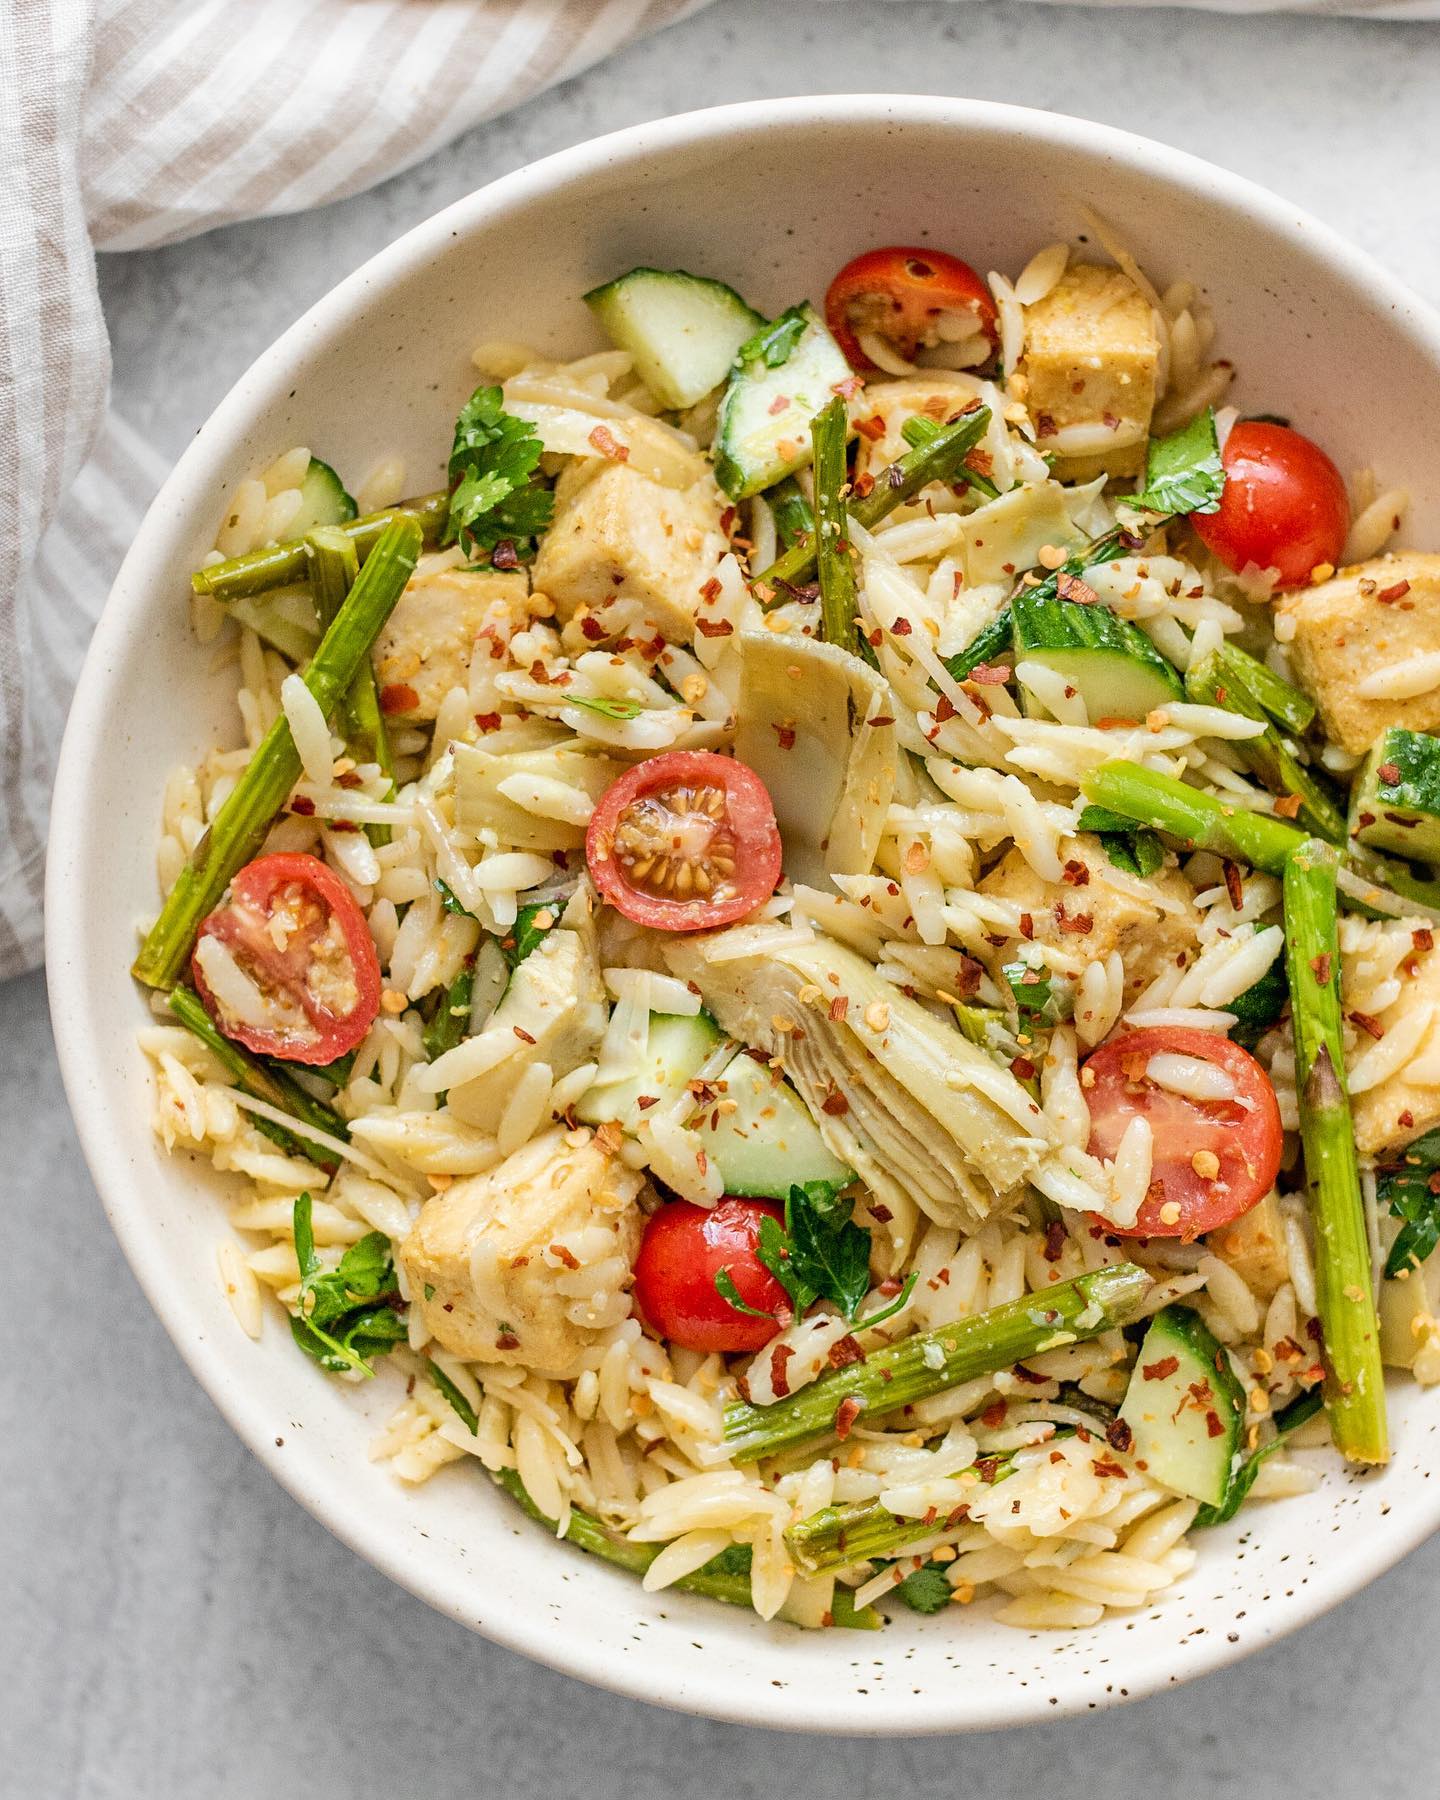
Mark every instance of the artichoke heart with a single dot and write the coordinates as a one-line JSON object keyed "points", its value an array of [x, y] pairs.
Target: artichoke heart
{"points": [[926, 1118], [817, 725]]}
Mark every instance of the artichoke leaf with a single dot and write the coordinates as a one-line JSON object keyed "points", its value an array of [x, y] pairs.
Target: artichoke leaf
{"points": [[817, 725], [925, 1118], [1008, 534], [481, 806]]}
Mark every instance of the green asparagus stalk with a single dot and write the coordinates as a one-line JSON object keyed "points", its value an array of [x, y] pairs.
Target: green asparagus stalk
{"points": [[239, 828], [1165, 804], [587, 1533], [1222, 680], [794, 518], [839, 609], [262, 1082], [1281, 701], [334, 568], [1355, 1386], [859, 1530], [280, 564], [930, 1362], [938, 460]]}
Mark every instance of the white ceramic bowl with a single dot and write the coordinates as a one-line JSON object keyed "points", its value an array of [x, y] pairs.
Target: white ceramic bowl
{"points": [[773, 197]]}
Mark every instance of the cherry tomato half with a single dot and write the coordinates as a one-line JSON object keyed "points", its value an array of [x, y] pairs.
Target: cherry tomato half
{"points": [[910, 298], [1284, 505], [302, 981], [685, 842], [1235, 1142], [684, 1248]]}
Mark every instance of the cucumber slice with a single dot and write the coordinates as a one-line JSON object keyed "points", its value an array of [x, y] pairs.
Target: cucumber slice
{"points": [[1117, 671], [284, 618], [1184, 1407], [1396, 803], [675, 1051], [783, 376], [683, 330], [769, 1143], [323, 500]]}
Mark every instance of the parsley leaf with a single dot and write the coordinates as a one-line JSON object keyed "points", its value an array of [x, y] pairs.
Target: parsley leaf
{"points": [[1133, 848], [346, 1313], [620, 710], [1406, 1189], [1260, 1006], [1031, 990], [492, 464], [1183, 472], [1242, 1479], [773, 344], [725, 1287], [532, 923], [926, 1590], [448, 900], [820, 1253]]}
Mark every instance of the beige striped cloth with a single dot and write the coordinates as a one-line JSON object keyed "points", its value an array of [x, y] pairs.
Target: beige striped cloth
{"points": [[131, 123]]}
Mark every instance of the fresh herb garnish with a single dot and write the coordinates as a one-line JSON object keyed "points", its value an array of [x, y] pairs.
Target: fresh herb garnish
{"points": [[1242, 1479], [926, 1590], [1031, 989], [448, 900], [774, 343], [532, 923], [1260, 1006], [493, 462], [734, 1559], [819, 1253], [727, 1290], [1133, 848], [1183, 472], [348, 1314], [619, 710], [1406, 1189]]}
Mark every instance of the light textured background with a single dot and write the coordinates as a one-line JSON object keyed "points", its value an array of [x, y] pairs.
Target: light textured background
{"points": [[172, 1624]]}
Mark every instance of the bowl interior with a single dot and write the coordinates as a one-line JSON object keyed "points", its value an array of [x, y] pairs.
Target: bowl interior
{"points": [[771, 198]]}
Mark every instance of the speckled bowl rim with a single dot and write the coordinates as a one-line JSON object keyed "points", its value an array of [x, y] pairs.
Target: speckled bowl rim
{"points": [[82, 1053]]}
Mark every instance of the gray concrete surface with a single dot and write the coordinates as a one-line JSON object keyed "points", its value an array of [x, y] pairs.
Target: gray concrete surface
{"points": [[172, 1626]]}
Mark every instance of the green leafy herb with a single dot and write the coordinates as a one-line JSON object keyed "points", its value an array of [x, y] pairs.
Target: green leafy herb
{"points": [[1183, 472], [348, 1314], [1242, 1479], [1133, 848], [725, 1287], [532, 923], [926, 1590], [1031, 989], [1408, 1192], [620, 710], [447, 1023], [468, 1416], [734, 1559], [492, 464], [448, 900], [773, 344], [819, 1253], [1260, 1006]]}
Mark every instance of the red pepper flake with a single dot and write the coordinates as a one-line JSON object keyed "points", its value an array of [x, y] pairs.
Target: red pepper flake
{"points": [[1109, 421], [880, 719], [1029, 1375], [539, 674], [349, 778], [1160, 1371], [1406, 1119], [779, 1356], [1388, 595], [523, 1035], [507, 1340], [1118, 1435], [863, 485], [988, 1469], [727, 519], [1370, 1025], [1320, 968], [1077, 925], [1045, 425], [989, 674], [994, 1415], [712, 628], [846, 1413], [785, 734], [1071, 587], [835, 1105], [883, 1214], [1234, 887], [591, 628], [711, 590], [568, 1257], [302, 804], [1075, 874], [844, 1351], [606, 442], [1389, 773], [398, 697], [839, 1006], [872, 428], [505, 555], [1288, 806], [646, 1101], [1423, 938], [1022, 1068], [890, 1287], [944, 709], [1213, 1427], [901, 628], [1106, 1466]]}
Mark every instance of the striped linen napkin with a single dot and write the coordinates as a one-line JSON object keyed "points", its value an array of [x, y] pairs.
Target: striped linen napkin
{"points": [[130, 123]]}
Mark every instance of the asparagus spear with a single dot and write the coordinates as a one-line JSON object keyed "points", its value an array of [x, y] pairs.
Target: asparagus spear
{"points": [[839, 610], [334, 568], [1285, 704], [1165, 804], [733, 1587], [1355, 1389], [262, 1082], [794, 518], [937, 460], [932, 1361], [239, 828], [280, 564], [857, 1530]]}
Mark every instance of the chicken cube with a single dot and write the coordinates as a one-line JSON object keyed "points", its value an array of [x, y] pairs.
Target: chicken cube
{"points": [[531, 1261], [1097, 910], [1091, 362], [425, 647], [1254, 1247], [1406, 1104], [1360, 622], [632, 552]]}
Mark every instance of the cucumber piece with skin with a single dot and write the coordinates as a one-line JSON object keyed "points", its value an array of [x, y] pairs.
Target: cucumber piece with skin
{"points": [[676, 1049], [682, 330], [1111, 663], [284, 618], [1184, 1407], [1396, 801], [769, 1143], [783, 376], [323, 500]]}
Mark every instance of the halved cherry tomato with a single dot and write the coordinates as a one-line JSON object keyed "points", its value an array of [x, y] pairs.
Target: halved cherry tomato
{"points": [[1284, 505], [684, 1248], [685, 842], [910, 298], [1235, 1143], [301, 944]]}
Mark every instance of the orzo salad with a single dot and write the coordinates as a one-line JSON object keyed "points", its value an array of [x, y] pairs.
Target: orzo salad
{"points": [[827, 955]]}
